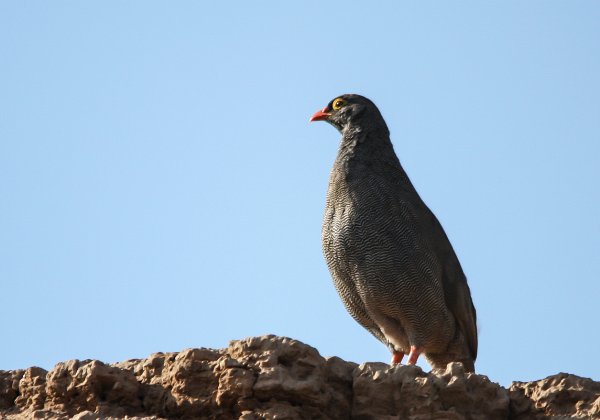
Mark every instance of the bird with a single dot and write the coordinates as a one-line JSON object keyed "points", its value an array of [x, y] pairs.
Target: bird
{"points": [[391, 261]]}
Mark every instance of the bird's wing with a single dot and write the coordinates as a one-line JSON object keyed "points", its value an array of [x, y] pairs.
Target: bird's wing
{"points": [[458, 299], [456, 289]]}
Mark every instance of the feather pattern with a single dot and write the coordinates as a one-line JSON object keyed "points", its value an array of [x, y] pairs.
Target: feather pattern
{"points": [[391, 261]]}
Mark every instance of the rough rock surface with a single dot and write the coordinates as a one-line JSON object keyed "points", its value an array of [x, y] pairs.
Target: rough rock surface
{"points": [[280, 378]]}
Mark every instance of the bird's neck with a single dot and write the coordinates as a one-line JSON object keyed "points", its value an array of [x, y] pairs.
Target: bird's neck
{"points": [[365, 148], [368, 153]]}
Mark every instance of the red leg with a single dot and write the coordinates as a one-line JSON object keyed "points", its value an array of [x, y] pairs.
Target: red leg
{"points": [[414, 355], [397, 358]]}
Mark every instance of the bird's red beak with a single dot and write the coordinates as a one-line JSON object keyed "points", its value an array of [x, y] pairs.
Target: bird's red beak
{"points": [[320, 115]]}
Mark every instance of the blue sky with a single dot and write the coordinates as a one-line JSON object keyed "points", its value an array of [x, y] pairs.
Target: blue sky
{"points": [[162, 188]]}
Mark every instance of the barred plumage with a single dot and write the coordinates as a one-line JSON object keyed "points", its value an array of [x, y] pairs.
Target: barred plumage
{"points": [[391, 262]]}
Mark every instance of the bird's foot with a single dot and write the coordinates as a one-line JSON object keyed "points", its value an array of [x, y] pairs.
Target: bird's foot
{"points": [[414, 354], [397, 358]]}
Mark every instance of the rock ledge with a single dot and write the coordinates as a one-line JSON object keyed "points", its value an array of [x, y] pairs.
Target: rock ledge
{"points": [[272, 377]]}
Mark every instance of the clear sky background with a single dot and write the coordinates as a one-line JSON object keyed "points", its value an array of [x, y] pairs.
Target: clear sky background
{"points": [[161, 188]]}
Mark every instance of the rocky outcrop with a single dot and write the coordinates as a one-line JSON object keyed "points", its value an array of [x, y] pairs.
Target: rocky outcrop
{"points": [[279, 378], [561, 396]]}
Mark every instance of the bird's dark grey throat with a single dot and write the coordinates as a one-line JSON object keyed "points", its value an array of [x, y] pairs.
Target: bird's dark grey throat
{"points": [[391, 261]]}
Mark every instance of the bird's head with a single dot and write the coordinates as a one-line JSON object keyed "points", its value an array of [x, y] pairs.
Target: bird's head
{"points": [[351, 111]]}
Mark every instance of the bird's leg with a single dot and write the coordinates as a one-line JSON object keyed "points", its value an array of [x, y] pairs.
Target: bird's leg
{"points": [[414, 355], [397, 357]]}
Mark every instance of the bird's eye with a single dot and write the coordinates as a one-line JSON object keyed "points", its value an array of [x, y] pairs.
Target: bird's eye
{"points": [[338, 103]]}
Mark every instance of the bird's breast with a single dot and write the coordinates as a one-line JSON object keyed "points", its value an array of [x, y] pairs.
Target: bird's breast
{"points": [[356, 216], [370, 230]]}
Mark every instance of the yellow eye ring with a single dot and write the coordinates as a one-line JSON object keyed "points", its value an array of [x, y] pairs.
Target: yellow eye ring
{"points": [[338, 103]]}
